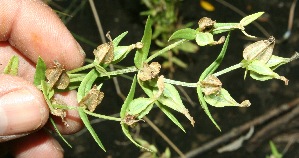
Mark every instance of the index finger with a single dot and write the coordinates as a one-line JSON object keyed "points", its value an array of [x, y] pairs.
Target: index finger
{"points": [[35, 30]]}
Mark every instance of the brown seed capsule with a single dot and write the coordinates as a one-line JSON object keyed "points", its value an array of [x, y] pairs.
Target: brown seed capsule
{"points": [[93, 98], [211, 85], [260, 50], [130, 120], [57, 77], [105, 52], [149, 71], [206, 24]]}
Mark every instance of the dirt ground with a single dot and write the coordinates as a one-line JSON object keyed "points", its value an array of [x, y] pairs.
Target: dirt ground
{"points": [[118, 16]]}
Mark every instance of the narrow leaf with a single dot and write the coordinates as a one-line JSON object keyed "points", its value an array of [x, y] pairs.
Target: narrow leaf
{"points": [[167, 112], [86, 84], [224, 27], [204, 105], [250, 18], [129, 98], [172, 99], [12, 66], [186, 33], [86, 122], [125, 129], [136, 106], [39, 71], [141, 54], [119, 38], [59, 134]]}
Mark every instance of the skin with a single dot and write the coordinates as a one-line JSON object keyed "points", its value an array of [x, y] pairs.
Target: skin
{"points": [[29, 29]]}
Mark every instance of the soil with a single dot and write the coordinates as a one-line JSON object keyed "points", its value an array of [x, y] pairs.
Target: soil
{"points": [[118, 16]]}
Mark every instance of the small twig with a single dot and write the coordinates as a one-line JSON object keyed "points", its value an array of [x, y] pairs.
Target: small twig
{"points": [[173, 146], [241, 129], [100, 29]]}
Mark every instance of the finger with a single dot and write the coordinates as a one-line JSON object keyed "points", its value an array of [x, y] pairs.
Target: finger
{"points": [[39, 144], [35, 30], [22, 108], [26, 67], [73, 122]]}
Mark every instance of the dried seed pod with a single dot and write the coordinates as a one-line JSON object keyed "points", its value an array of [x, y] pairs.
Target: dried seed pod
{"points": [[63, 81], [93, 98], [57, 77], [149, 71], [260, 50], [206, 24], [130, 120], [211, 85], [105, 52]]}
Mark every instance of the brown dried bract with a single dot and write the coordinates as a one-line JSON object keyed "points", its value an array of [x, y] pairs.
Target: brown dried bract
{"points": [[59, 112], [130, 120], [93, 98], [149, 71], [105, 52], [260, 50], [57, 76], [206, 24], [211, 85]]}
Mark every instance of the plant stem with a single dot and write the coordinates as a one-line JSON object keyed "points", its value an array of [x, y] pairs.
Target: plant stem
{"points": [[228, 69], [180, 83], [102, 116], [85, 67], [165, 50], [121, 71]]}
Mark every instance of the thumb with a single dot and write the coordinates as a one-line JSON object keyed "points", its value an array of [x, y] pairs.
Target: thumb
{"points": [[22, 108]]}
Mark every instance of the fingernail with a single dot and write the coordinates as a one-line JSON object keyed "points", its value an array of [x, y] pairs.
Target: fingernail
{"points": [[20, 112], [56, 145]]}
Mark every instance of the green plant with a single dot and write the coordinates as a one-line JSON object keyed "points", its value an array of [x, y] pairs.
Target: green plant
{"points": [[165, 20], [274, 152], [160, 91]]}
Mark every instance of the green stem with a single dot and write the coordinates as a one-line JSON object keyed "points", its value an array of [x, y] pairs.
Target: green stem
{"points": [[102, 116], [165, 50], [180, 83], [228, 69], [85, 67], [121, 71]]}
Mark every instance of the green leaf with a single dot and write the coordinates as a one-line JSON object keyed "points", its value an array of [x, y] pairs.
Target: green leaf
{"points": [[86, 122], [12, 66], [39, 71], [224, 27], [188, 47], [125, 129], [276, 61], [119, 38], [204, 105], [141, 54], [221, 99], [86, 84], [186, 33], [260, 68], [172, 99], [59, 134], [250, 18], [101, 70], [129, 98], [167, 112], [204, 38], [274, 150], [138, 105], [121, 52], [209, 70]]}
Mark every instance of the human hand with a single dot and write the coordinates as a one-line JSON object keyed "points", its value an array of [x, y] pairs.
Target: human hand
{"points": [[29, 29]]}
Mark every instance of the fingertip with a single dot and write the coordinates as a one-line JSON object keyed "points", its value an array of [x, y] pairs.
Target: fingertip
{"points": [[39, 144], [22, 107]]}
